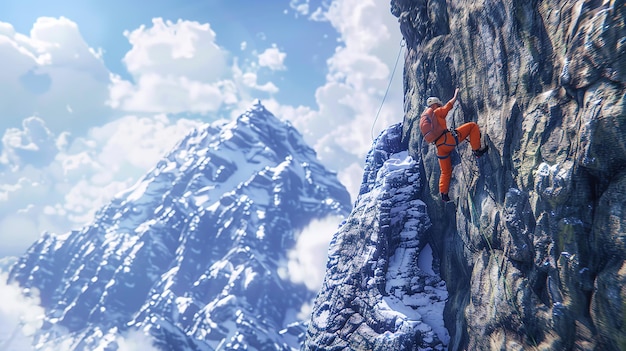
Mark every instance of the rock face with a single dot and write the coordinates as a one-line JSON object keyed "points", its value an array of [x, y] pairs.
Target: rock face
{"points": [[194, 254], [533, 250]]}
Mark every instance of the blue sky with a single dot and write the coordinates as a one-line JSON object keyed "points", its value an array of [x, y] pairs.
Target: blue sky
{"points": [[257, 23], [93, 93]]}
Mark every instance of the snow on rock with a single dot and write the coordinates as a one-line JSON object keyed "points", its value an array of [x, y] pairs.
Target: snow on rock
{"points": [[382, 290]]}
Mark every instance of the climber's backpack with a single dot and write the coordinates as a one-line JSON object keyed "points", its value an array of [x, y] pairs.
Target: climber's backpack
{"points": [[430, 127]]}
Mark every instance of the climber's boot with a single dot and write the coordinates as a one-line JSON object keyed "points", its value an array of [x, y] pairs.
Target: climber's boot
{"points": [[478, 153], [445, 197]]}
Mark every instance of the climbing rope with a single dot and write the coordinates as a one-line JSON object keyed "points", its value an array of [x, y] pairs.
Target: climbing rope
{"points": [[402, 43]]}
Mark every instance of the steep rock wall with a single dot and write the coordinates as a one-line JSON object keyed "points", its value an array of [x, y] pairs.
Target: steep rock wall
{"points": [[533, 247]]}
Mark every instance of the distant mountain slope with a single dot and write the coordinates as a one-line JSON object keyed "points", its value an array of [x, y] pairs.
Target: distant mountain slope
{"points": [[195, 253]]}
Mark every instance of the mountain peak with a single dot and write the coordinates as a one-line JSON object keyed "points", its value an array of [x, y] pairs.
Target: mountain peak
{"points": [[193, 252]]}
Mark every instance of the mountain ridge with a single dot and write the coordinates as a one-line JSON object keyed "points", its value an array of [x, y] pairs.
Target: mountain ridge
{"points": [[195, 253]]}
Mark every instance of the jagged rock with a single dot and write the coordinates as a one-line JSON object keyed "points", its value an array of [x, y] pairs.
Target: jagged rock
{"points": [[381, 290], [608, 307], [536, 259]]}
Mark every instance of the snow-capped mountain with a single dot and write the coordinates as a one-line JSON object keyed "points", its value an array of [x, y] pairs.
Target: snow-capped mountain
{"points": [[382, 289], [195, 253]]}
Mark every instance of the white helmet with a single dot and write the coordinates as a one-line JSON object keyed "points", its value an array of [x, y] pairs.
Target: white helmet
{"points": [[433, 100]]}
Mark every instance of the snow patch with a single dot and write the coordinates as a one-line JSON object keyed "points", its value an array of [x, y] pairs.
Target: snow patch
{"points": [[425, 260], [392, 307]]}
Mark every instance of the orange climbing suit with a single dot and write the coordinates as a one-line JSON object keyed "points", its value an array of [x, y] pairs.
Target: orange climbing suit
{"points": [[447, 142]]}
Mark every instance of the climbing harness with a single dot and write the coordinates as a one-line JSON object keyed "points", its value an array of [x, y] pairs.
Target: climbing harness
{"points": [[402, 44], [455, 135]]}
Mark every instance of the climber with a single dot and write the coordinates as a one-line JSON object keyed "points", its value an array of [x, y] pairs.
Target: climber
{"points": [[449, 139]]}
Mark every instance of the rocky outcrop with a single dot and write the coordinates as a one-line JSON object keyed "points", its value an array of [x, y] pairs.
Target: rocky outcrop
{"points": [[533, 249], [382, 290]]}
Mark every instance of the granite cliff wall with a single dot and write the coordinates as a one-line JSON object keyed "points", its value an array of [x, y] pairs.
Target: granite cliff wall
{"points": [[533, 247]]}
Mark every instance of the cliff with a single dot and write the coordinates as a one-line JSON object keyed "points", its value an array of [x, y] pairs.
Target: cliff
{"points": [[533, 250]]}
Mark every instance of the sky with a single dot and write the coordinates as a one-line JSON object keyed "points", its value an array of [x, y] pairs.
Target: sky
{"points": [[93, 94]]}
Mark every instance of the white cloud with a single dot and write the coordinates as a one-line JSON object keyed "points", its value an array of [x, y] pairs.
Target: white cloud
{"points": [[139, 141], [34, 144], [318, 15], [300, 6], [351, 177], [250, 80], [273, 59], [179, 68], [307, 261], [20, 317], [359, 72], [82, 177], [303, 7], [40, 72], [18, 230], [156, 93], [6, 263], [345, 122], [136, 341], [183, 49]]}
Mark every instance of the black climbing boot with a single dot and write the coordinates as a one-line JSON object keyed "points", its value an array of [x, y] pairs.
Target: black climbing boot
{"points": [[480, 151], [445, 197]]}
